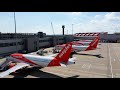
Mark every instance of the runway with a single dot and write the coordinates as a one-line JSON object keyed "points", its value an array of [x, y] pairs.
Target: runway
{"points": [[104, 62]]}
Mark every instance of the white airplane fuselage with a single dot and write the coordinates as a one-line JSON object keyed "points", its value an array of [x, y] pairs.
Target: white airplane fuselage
{"points": [[18, 61], [79, 48], [75, 48], [82, 43], [39, 61]]}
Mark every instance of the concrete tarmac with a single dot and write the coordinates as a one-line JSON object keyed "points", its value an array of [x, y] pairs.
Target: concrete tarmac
{"points": [[104, 62]]}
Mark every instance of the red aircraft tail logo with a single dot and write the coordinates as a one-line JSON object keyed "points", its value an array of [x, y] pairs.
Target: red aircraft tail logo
{"points": [[93, 44], [63, 56], [64, 51]]}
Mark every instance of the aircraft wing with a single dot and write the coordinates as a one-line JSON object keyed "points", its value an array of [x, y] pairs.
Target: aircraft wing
{"points": [[72, 59], [13, 69], [53, 55], [63, 65]]}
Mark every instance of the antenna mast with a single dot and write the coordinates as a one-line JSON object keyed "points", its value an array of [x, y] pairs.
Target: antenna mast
{"points": [[54, 36], [52, 28]]}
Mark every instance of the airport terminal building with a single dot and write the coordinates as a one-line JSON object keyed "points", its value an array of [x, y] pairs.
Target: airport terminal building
{"points": [[30, 42]]}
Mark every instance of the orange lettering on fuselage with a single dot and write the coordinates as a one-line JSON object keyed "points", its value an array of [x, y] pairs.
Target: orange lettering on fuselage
{"points": [[64, 51]]}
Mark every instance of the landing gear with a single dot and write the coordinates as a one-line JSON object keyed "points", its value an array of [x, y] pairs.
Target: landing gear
{"points": [[74, 52], [8, 66], [4, 69], [71, 55]]}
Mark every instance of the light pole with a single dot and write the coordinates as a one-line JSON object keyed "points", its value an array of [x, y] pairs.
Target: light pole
{"points": [[72, 29], [15, 31], [15, 22]]}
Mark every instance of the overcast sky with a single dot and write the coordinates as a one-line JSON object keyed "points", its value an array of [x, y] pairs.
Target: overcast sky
{"points": [[33, 22]]}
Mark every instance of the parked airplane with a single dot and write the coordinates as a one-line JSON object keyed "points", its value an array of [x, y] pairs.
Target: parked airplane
{"points": [[83, 42], [27, 60], [77, 48]]}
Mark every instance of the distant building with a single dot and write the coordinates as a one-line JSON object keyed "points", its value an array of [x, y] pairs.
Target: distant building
{"points": [[104, 36], [4, 36], [90, 34]]}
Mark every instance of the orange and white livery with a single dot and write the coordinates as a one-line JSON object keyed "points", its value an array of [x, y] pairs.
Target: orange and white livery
{"points": [[76, 47], [83, 42], [27, 60]]}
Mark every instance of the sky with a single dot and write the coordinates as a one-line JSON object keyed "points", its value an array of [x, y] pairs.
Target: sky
{"points": [[33, 22]]}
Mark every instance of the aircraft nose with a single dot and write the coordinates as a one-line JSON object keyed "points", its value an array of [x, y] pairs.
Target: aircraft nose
{"points": [[16, 55]]}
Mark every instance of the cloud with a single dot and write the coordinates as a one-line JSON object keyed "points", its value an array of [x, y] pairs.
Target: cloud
{"points": [[57, 29], [108, 22], [99, 23], [69, 13], [76, 13], [83, 22], [114, 16]]}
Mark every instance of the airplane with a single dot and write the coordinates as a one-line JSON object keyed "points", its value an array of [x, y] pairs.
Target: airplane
{"points": [[26, 60], [77, 48], [83, 42]]}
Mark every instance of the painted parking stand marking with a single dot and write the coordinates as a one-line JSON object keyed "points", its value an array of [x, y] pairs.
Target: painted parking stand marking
{"points": [[83, 65], [118, 74], [91, 61], [78, 71], [86, 66], [90, 66], [116, 69], [100, 68], [110, 61], [117, 56], [60, 74], [114, 59]]}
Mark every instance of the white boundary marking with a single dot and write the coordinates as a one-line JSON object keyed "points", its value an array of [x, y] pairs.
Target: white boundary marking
{"points": [[89, 66], [116, 56], [114, 59], [110, 60], [83, 66], [86, 66]]}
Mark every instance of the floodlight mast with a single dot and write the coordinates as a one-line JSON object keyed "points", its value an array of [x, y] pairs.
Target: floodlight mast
{"points": [[15, 30]]}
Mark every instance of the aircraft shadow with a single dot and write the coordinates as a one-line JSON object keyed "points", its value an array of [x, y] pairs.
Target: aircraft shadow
{"points": [[98, 55], [38, 74]]}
